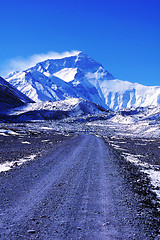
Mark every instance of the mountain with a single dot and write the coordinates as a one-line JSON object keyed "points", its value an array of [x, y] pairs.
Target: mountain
{"points": [[57, 79], [10, 97], [122, 94], [79, 76], [72, 107]]}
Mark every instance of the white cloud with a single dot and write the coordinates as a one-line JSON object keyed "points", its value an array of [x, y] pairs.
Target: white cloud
{"points": [[19, 63]]}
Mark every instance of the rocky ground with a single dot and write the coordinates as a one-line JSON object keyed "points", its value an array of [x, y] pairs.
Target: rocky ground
{"points": [[137, 214], [20, 142]]}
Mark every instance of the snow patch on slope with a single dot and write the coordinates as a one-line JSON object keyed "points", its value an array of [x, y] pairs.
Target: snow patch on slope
{"points": [[9, 165], [6, 132], [155, 179], [121, 119], [149, 169], [66, 74]]}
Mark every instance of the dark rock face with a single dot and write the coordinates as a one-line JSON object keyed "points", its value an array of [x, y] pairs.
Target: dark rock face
{"points": [[10, 97]]}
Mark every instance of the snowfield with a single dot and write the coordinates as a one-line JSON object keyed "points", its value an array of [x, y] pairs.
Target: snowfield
{"points": [[66, 74]]}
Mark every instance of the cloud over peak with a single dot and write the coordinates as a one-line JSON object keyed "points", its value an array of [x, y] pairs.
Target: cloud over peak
{"points": [[20, 63]]}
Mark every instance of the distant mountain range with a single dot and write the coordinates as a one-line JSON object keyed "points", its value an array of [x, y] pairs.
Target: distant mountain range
{"points": [[79, 76]]}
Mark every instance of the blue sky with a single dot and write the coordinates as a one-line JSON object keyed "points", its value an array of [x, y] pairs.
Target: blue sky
{"points": [[123, 35]]}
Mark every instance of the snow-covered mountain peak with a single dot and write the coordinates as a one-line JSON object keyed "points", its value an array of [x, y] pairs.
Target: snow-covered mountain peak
{"points": [[80, 61], [56, 79], [79, 76]]}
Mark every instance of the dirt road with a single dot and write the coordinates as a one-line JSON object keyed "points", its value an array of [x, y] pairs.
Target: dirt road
{"points": [[75, 192]]}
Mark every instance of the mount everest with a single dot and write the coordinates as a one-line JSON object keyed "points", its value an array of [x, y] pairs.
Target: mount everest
{"points": [[79, 76]]}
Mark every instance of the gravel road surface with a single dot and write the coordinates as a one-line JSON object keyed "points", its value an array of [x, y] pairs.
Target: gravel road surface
{"points": [[77, 191]]}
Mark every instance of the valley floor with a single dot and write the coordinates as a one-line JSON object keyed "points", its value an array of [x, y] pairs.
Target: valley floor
{"points": [[71, 180]]}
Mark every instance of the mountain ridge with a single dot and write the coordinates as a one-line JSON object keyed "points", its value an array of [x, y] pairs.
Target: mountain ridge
{"points": [[10, 97], [79, 76], [49, 110]]}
